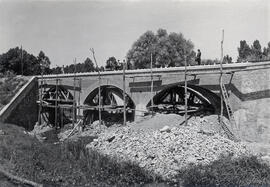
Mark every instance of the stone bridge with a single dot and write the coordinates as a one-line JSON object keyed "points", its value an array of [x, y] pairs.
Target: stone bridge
{"points": [[248, 86]]}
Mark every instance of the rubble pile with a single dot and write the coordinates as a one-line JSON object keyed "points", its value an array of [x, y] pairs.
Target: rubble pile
{"points": [[166, 150]]}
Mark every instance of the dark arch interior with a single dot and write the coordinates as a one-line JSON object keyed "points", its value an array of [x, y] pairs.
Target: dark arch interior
{"points": [[63, 96], [171, 100], [112, 101]]}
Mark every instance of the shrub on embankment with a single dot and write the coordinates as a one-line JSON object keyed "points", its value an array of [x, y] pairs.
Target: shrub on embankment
{"points": [[9, 86]]}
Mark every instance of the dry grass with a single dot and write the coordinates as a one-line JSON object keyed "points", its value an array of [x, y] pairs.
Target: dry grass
{"points": [[9, 86], [66, 164], [69, 164], [245, 171]]}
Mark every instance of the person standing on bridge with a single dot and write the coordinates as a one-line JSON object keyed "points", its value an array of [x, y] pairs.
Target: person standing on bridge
{"points": [[198, 57]]}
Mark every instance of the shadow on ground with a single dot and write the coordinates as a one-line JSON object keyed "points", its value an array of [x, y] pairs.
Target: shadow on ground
{"points": [[227, 171]]}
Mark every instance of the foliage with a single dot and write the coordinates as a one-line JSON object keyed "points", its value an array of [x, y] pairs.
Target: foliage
{"points": [[9, 86], [168, 50], [111, 64], [86, 66], [253, 52], [44, 63], [227, 59], [210, 61], [20, 62], [266, 50], [226, 171]]}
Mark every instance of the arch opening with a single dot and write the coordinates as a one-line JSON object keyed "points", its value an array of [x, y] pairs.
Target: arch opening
{"points": [[200, 101], [64, 97], [112, 103]]}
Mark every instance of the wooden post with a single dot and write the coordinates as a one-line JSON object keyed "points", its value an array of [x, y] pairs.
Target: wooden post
{"points": [[74, 96], [221, 79], [56, 103], [40, 95], [40, 99], [21, 60], [152, 101], [61, 116], [124, 92], [99, 90], [185, 87], [79, 99]]}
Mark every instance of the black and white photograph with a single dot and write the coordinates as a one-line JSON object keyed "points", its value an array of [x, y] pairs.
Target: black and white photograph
{"points": [[139, 93]]}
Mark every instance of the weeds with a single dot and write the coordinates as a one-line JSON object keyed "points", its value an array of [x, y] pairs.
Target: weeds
{"points": [[245, 171], [70, 164], [9, 86]]}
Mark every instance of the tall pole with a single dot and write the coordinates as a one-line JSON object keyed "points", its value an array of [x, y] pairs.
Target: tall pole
{"points": [[79, 99], [221, 79], [99, 83], [152, 101], [40, 96], [21, 60], [124, 91], [185, 87], [74, 94], [56, 103]]}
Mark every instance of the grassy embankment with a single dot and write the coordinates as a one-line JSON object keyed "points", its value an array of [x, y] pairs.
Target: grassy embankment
{"points": [[9, 86], [69, 164]]}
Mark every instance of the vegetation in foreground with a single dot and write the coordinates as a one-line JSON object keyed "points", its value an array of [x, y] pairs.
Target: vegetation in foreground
{"points": [[69, 164], [246, 171], [64, 164]]}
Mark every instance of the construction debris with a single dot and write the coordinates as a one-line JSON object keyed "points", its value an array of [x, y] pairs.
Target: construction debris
{"points": [[2, 132], [165, 151]]}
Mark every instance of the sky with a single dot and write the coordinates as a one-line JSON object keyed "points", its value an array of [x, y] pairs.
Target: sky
{"points": [[67, 29]]}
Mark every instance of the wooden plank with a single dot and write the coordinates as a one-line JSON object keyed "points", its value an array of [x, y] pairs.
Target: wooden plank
{"points": [[67, 87], [145, 83], [145, 89]]}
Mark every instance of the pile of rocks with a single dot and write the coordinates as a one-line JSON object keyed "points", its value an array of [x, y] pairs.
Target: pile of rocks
{"points": [[169, 149]]}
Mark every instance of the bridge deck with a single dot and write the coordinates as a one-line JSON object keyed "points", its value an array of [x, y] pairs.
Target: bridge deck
{"points": [[195, 70]]}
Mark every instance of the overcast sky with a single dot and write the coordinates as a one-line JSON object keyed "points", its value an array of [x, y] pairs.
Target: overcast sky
{"points": [[65, 30]]}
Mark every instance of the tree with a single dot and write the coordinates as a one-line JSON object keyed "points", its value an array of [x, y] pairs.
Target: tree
{"points": [[141, 50], [88, 65], [111, 64], [256, 50], [56, 70], [244, 51], [20, 61], [266, 52], [43, 63], [167, 50], [227, 59], [253, 53]]}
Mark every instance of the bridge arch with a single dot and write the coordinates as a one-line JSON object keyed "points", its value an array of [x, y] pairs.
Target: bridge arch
{"points": [[93, 85], [171, 100], [112, 102]]}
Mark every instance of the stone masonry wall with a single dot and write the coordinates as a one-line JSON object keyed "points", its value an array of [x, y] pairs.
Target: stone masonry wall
{"points": [[25, 113]]}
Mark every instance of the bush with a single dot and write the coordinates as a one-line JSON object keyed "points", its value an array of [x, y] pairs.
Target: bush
{"points": [[9, 86]]}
